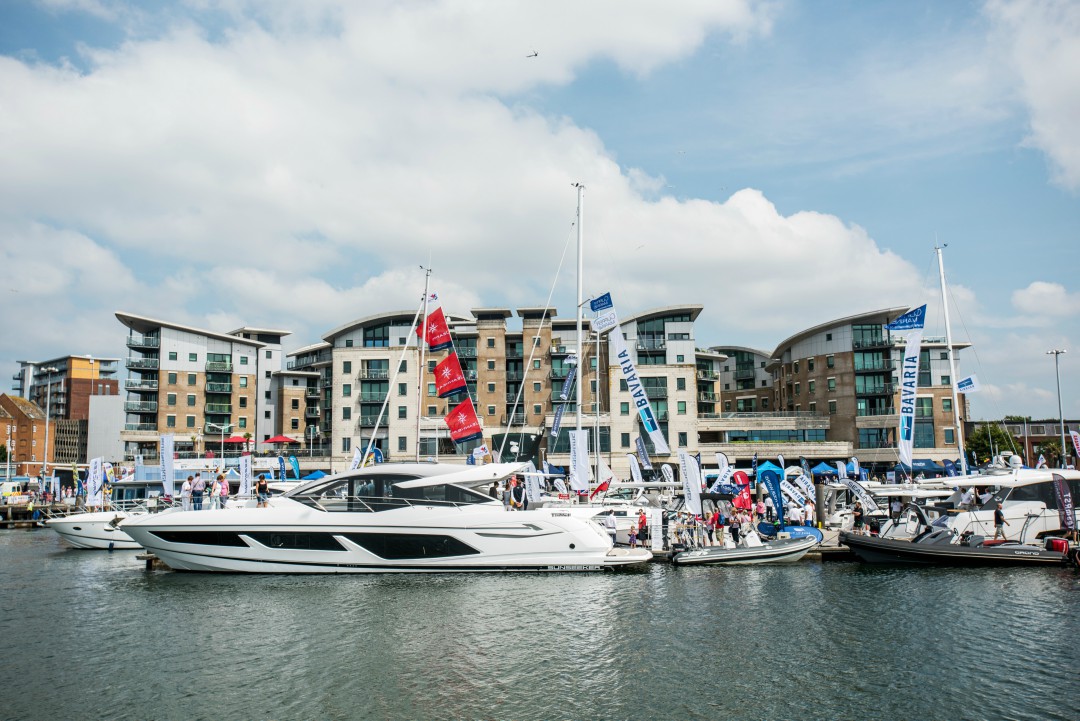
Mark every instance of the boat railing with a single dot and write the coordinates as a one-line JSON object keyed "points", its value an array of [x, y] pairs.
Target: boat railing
{"points": [[372, 504]]}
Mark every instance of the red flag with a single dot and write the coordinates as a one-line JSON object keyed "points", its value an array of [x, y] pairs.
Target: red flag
{"points": [[600, 489], [438, 334], [463, 423], [449, 380], [739, 478]]}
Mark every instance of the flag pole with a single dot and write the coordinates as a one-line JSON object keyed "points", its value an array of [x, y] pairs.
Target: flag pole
{"points": [[420, 370]]}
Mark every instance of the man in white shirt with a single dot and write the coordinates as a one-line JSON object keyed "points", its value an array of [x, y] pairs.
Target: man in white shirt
{"points": [[609, 525], [808, 513], [795, 517], [895, 507], [185, 494]]}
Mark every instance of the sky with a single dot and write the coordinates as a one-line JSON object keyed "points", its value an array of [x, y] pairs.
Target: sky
{"points": [[783, 163]]}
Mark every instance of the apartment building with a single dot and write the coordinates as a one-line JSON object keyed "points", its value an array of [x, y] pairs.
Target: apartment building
{"points": [[196, 384], [63, 387], [23, 432]]}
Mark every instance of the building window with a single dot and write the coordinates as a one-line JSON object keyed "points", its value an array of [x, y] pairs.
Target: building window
{"points": [[243, 360], [402, 411], [170, 399], [813, 407], [266, 395], [193, 357], [243, 381], [191, 379], [680, 358], [267, 375], [536, 387], [830, 361], [170, 421], [432, 411], [348, 342], [946, 405], [727, 386], [491, 387], [346, 367], [828, 336], [491, 342], [924, 407], [294, 424], [295, 404], [346, 389], [944, 355], [810, 365], [681, 408], [624, 440], [346, 444], [431, 389], [491, 365], [346, 413], [536, 365], [190, 421], [624, 409], [950, 436], [592, 386], [491, 410], [832, 408], [727, 406], [946, 380], [243, 421], [431, 366], [537, 409], [798, 389], [191, 399], [764, 384], [810, 386], [403, 389], [832, 384], [172, 379], [680, 384], [266, 415], [402, 443], [403, 366], [682, 440], [622, 386], [795, 367], [268, 355], [243, 401], [592, 363], [172, 355]]}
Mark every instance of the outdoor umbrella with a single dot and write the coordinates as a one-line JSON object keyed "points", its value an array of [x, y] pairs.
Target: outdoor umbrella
{"points": [[280, 439], [235, 439]]}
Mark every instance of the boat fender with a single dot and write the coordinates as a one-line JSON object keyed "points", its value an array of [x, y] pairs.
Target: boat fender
{"points": [[110, 545]]}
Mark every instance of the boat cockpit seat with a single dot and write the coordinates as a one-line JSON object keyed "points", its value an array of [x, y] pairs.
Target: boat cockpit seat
{"points": [[934, 536], [970, 539]]}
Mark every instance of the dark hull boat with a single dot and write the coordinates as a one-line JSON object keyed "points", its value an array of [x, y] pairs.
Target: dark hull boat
{"points": [[784, 550]]}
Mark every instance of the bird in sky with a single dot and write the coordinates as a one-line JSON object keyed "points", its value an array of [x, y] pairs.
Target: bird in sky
{"points": [[534, 54]]}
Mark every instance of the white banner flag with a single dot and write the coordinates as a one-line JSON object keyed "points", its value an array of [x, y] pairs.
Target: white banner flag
{"points": [[95, 479], [722, 463], [793, 493], [532, 483], [860, 493], [667, 473], [968, 385], [357, 457], [691, 479], [637, 391], [168, 474], [841, 470], [245, 476], [806, 484], [579, 460], [635, 469], [856, 471], [911, 321]]}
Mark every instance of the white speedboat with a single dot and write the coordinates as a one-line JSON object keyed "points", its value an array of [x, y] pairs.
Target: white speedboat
{"points": [[95, 530], [413, 517]]}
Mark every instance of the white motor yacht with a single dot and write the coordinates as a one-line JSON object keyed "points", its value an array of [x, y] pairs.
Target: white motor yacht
{"points": [[410, 517], [94, 530]]}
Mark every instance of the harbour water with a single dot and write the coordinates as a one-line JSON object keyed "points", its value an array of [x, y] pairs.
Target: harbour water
{"points": [[91, 635]]}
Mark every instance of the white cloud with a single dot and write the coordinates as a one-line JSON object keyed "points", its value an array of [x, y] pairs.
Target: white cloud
{"points": [[1048, 300], [1042, 37]]}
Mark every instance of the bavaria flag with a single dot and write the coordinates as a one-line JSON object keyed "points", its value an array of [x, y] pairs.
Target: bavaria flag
{"points": [[912, 320]]}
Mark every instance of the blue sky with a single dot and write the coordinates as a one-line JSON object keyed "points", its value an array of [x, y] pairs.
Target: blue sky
{"points": [[782, 163]]}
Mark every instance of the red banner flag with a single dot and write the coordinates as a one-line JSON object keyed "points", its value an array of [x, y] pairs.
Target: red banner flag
{"points": [[438, 333], [449, 380], [739, 478], [463, 423], [600, 489]]}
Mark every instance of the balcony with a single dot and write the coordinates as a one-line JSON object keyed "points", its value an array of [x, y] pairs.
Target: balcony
{"points": [[864, 343], [466, 352], [146, 341], [373, 374], [652, 344], [708, 397], [703, 375], [469, 375], [743, 374], [141, 363], [372, 396], [882, 389], [311, 392], [219, 366], [515, 353], [219, 387], [309, 359], [561, 350], [214, 429], [515, 420], [218, 408], [140, 427], [368, 421], [515, 375], [559, 374], [654, 393], [138, 384], [312, 412], [140, 407]]}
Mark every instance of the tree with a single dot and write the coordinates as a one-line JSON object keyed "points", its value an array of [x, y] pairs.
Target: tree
{"points": [[1017, 419], [980, 442], [1052, 450], [247, 441]]}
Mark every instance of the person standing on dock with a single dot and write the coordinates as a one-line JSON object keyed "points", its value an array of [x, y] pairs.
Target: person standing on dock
{"points": [[185, 494], [857, 519], [808, 513], [198, 487], [770, 508], [224, 491]]}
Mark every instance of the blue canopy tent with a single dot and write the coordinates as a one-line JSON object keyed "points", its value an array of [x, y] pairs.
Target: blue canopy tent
{"points": [[920, 465], [823, 469], [313, 476], [770, 466]]}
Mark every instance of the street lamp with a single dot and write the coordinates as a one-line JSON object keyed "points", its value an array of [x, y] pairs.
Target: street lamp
{"points": [[1061, 416], [222, 427], [48, 408], [311, 440]]}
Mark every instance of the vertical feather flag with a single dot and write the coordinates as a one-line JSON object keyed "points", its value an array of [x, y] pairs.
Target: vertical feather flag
{"points": [[449, 380], [463, 423], [438, 333]]}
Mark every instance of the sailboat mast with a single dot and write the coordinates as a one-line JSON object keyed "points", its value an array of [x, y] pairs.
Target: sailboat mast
{"points": [[952, 367], [580, 267], [420, 370]]}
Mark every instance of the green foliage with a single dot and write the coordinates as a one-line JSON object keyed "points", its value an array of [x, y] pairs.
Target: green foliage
{"points": [[979, 442], [1052, 450], [1017, 419]]}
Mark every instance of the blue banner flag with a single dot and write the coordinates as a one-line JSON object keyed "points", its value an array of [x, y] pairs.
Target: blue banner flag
{"points": [[601, 303], [643, 455], [295, 466], [771, 479], [281, 465], [912, 320], [950, 468], [557, 423]]}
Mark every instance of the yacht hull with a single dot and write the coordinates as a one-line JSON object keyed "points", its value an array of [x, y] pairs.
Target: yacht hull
{"points": [[296, 539], [883, 550], [98, 531]]}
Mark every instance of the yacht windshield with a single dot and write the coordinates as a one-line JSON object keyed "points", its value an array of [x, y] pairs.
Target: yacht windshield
{"points": [[376, 492]]}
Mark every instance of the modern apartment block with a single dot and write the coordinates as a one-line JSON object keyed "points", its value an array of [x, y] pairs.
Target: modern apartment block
{"points": [[63, 387], [196, 384]]}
